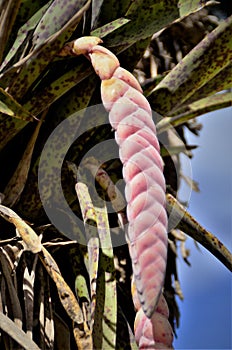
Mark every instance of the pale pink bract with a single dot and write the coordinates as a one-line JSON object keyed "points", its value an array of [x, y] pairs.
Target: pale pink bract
{"points": [[145, 189], [131, 117]]}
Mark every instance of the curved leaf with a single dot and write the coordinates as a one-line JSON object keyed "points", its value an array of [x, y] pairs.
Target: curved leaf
{"points": [[31, 240], [195, 109], [192, 228], [23, 35], [9, 106], [195, 70], [188, 6], [36, 61], [9, 10], [155, 14]]}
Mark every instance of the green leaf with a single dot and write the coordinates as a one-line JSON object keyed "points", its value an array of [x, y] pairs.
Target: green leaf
{"points": [[217, 101], [71, 108], [5, 109], [222, 81], [104, 331], [201, 65], [13, 119], [104, 310], [89, 218], [9, 10], [145, 19], [23, 35], [66, 295], [9, 106], [54, 19], [81, 288], [36, 61], [195, 109], [192, 228], [188, 6], [110, 27], [27, 9], [49, 93]]}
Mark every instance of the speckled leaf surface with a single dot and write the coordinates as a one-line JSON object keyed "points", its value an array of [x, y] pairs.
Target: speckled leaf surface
{"points": [[222, 81], [104, 330], [110, 27], [56, 16], [32, 66], [23, 35], [13, 108], [93, 245], [156, 14], [77, 100], [202, 64], [101, 271], [57, 88], [48, 95], [187, 6], [66, 295], [27, 9]]}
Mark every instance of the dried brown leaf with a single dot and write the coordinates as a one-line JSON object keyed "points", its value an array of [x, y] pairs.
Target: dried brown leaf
{"points": [[31, 241]]}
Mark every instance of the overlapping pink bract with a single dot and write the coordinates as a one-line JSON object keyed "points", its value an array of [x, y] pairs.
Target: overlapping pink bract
{"points": [[131, 117]]}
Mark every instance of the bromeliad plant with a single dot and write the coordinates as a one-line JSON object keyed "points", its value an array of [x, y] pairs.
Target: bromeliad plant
{"points": [[68, 288]]}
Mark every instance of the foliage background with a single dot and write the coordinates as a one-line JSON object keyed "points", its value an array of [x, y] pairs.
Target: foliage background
{"points": [[33, 85]]}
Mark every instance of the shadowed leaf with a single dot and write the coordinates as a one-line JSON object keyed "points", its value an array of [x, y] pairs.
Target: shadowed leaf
{"points": [[8, 326], [9, 10], [9, 106], [36, 61], [17, 182], [23, 35], [66, 295]]}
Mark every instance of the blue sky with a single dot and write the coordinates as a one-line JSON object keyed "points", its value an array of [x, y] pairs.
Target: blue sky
{"points": [[206, 310]]}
